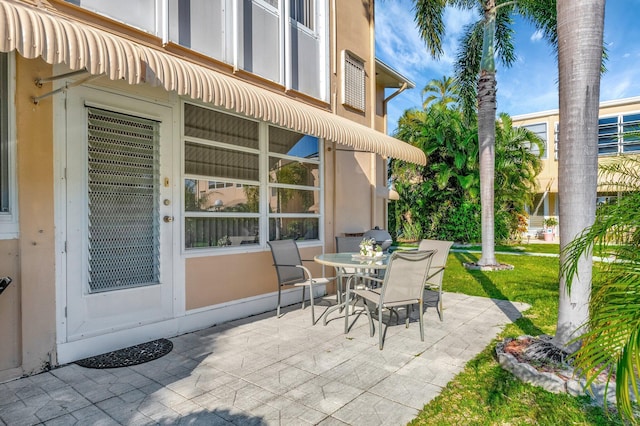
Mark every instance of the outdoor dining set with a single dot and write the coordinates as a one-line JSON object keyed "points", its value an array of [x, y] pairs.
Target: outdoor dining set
{"points": [[369, 279]]}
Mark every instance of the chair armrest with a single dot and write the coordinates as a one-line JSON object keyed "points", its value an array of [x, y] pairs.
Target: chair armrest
{"points": [[308, 273], [437, 269]]}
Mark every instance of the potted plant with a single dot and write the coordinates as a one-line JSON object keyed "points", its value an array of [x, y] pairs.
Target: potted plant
{"points": [[550, 224]]}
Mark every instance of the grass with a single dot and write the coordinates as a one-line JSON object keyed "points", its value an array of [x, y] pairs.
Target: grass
{"points": [[484, 393]]}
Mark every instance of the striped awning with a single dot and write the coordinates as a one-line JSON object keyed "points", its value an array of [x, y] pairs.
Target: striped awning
{"points": [[41, 32]]}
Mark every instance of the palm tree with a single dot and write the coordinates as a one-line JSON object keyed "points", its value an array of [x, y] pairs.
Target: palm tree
{"points": [[580, 53], [612, 343], [443, 92], [475, 74], [518, 152]]}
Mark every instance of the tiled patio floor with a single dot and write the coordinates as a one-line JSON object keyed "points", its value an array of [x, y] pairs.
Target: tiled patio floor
{"points": [[267, 371]]}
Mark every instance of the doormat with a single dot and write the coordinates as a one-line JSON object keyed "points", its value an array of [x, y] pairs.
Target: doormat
{"points": [[132, 355]]}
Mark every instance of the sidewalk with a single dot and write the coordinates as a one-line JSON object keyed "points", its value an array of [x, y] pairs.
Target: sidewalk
{"points": [[267, 371]]}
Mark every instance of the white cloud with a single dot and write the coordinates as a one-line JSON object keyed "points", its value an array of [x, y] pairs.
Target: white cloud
{"points": [[536, 36]]}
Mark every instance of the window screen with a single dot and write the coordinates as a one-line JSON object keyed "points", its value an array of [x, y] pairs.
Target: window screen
{"points": [[353, 93], [123, 176]]}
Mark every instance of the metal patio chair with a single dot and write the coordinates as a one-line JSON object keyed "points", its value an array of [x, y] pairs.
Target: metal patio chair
{"points": [[291, 272], [402, 286], [436, 272]]}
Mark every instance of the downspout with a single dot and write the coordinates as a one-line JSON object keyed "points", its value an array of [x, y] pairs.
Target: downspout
{"points": [[333, 31], [385, 101]]}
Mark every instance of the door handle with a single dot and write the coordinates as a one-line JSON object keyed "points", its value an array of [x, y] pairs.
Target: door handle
{"points": [[168, 219]]}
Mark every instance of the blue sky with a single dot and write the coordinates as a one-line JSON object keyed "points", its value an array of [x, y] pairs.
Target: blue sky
{"points": [[530, 85]]}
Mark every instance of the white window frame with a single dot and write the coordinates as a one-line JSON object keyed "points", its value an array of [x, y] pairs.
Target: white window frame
{"points": [[312, 13], [9, 227], [347, 99], [265, 188], [545, 147]]}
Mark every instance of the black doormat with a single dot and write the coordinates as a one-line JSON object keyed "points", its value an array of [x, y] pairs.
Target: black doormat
{"points": [[132, 355]]}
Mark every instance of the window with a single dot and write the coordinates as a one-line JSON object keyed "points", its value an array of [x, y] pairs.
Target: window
{"points": [[353, 81], [294, 179], [230, 199], [556, 135], [302, 11], [608, 136], [630, 129], [540, 130], [8, 202], [619, 134]]}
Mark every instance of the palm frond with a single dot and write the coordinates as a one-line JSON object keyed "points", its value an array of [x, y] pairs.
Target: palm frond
{"points": [[429, 19]]}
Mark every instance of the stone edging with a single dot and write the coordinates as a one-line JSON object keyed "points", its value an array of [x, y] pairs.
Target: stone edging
{"points": [[558, 382]]}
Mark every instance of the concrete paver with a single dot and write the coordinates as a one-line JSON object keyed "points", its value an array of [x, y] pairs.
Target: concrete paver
{"points": [[268, 371]]}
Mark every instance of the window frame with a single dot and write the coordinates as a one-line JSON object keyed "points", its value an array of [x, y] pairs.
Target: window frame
{"points": [[9, 226], [545, 147], [264, 188]]}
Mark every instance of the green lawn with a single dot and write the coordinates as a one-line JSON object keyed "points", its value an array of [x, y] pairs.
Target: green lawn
{"points": [[485, 394]]}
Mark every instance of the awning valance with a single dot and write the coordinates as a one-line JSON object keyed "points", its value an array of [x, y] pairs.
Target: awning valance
{"points": [[35, 32]]}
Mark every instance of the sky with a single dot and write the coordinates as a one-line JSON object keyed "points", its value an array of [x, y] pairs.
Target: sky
{"points": [[530, 85]]}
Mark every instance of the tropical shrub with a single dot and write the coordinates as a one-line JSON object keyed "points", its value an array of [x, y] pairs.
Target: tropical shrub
{"points": [[611, 344]]}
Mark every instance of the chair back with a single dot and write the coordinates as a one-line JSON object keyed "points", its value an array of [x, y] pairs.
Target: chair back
{"points": [[348, 244], [439, 259], [405, 276], [285, 258]]}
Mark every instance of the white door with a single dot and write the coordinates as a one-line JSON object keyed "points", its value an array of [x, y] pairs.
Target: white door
{"points": [[119, 213]]}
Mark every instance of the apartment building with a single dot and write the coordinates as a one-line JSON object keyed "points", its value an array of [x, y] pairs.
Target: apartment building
{"points": [[618, 135], [151, 148]]}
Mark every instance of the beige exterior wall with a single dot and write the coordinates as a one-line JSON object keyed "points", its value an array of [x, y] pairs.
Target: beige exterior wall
{"points": [[219, 279], [10, 310], [29, 307]]}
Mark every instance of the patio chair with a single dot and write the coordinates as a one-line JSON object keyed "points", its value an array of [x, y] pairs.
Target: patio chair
{"points": [[403, 285], [345, 245], [291, 272], [438, 264]]}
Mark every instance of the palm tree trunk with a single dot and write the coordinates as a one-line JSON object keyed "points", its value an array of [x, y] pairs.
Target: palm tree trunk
{"points": [[487, 134], [486, 140], [580, 40]]}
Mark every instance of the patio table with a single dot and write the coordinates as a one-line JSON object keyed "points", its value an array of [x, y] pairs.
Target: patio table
{"points": [[343, 261]]}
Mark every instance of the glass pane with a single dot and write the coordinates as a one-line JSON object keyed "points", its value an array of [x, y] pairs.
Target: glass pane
{"points": [[284, 200], [205, 232], [215, 126], [214, 161], [283, 141], [293, 172], [213, 196], [631, 118], [608, 150], [293, 228]]}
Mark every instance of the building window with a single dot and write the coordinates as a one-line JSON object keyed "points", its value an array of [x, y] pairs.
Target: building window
{"points": [[230, 199], [353, 81], [302, 11], [294, 181], [619, 134], [540, 130], [556, 134], [8, 202]]}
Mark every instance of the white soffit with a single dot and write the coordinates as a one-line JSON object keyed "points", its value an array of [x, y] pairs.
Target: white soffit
{"points": [[36, 31]]}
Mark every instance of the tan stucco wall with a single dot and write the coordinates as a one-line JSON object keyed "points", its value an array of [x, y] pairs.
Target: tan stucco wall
{"points": [[219, 279], [34, 136], [353, 31], [10, 322]]}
